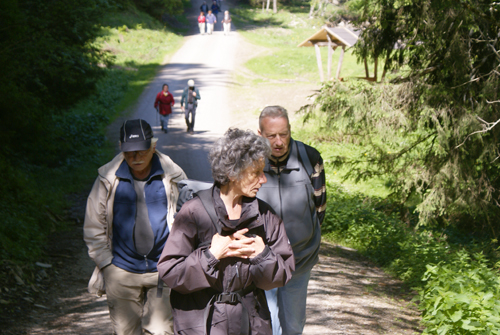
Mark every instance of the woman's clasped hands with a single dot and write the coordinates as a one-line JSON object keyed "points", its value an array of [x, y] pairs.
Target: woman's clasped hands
{"points": [[236, 245]]}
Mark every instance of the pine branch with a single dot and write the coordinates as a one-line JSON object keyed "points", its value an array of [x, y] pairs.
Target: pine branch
{"points": [[488, 127]]}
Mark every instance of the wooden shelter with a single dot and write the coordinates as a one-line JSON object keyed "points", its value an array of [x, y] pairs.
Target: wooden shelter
{"points": [[340, 36]]}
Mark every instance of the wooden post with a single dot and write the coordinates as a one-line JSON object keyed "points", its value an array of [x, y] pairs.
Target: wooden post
{"points": [[263, 6], [320, 65], [341, 58], [330, 52], [367, 72], [375, 75]]}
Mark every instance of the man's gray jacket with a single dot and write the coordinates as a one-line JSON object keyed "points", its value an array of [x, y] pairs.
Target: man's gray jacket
{"points": [[291, 194]]}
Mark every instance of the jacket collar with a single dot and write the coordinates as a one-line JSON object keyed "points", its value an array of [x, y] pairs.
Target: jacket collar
{"points": [[249, 213], [171, 170], [291, 162], [123, 171]]}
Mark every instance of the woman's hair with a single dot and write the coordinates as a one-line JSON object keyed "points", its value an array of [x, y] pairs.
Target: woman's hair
{"points": [[235, 152]]}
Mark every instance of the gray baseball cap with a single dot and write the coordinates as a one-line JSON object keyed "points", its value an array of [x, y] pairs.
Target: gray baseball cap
{"points": [[135, 135]]}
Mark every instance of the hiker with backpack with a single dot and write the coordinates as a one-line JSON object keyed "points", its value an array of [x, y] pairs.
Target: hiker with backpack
{"points": [[226, 246], [189, 99], [295, 189]]}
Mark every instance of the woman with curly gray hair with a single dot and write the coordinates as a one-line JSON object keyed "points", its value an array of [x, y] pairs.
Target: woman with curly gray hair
{"points": [[226, 246]]}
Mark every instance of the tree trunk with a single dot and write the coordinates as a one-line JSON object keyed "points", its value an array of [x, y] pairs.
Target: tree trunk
{"points": [[367, 72], [311, 11], [267, 7], [275, 6]]}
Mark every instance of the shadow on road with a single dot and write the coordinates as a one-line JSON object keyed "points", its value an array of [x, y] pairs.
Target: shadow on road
{"points": [[349, 295]]}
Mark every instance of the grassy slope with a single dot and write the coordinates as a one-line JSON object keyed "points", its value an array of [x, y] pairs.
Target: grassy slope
{"points": [[140, 45]]}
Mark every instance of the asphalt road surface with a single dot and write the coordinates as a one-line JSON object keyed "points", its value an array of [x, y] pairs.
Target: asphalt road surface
{"points": [[209, 61]]}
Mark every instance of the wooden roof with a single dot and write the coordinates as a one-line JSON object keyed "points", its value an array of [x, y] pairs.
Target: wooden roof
{"points": [[340, 36]]}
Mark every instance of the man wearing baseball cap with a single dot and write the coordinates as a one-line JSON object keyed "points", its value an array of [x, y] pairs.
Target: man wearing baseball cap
{"points": [[129, 215]]}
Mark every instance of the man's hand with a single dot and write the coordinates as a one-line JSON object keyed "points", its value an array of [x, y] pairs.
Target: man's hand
{"points": [[194, 94], [236, 245]]}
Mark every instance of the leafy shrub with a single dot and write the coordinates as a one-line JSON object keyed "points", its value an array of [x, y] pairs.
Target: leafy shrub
{"points": [[355, 221], [461, 297], [34, 193]]}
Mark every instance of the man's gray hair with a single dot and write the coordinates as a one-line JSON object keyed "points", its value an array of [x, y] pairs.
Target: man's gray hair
{"points": [[273, 112], [235, 152]]}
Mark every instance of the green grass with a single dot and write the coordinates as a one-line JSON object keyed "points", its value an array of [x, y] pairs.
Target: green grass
{"points": [[281, 33], [139, 46]]}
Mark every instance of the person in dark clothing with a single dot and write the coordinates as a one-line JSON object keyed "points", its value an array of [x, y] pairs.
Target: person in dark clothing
{"points": [[215, 8], [204, 8], [190, 97], [218, 264]]}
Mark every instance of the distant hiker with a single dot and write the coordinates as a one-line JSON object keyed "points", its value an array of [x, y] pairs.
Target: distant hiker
{"points": [[295, 189], [211, 20], [190, 97], [226, 246], [226, 22], [204, 8], [129, 214], [201, 23], [215, 8], [164, 102]]}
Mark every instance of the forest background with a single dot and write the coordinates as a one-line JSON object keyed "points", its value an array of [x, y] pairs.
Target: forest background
{"points": [[412, 160]]}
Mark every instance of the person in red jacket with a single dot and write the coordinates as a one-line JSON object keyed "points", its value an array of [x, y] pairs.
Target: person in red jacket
{"points": [[201, 23], [165, 101]]}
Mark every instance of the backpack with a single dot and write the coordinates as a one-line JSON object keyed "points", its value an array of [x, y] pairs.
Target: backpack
{"points": [[306, 163]]}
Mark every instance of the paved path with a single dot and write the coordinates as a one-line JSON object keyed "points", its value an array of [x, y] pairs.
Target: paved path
{"points": [[209, 60]]}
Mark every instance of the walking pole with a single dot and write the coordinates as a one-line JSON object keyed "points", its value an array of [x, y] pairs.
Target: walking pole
{"points": [[158, 115]]}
